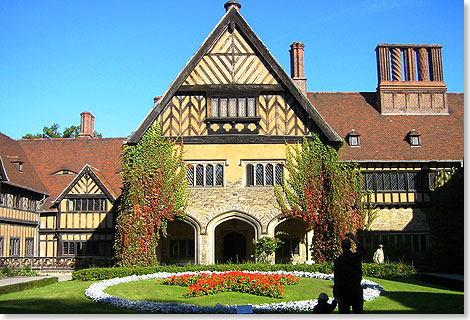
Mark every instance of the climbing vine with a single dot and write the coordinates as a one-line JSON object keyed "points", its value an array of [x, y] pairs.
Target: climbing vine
{"points": [[154, 192], [323, 192]]}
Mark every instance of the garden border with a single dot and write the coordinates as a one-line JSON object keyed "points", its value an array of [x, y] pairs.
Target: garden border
{"points": [[96, 293]]}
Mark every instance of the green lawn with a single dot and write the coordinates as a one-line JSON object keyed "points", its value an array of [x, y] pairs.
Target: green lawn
{"points": [[68, 297], [151, 290]]}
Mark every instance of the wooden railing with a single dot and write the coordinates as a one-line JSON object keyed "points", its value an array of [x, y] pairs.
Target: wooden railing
{"points": [[55, 263]]}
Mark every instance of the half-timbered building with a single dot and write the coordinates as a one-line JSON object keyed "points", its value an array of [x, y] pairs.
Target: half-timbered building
{"points": [[235, 108]]}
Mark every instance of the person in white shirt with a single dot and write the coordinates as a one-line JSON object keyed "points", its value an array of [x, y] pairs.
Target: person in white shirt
{"points": [[379, 255]]}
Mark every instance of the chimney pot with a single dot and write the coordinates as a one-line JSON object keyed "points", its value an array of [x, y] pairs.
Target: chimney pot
{"points": [[297, 65], [86, 125], [232, 3]]}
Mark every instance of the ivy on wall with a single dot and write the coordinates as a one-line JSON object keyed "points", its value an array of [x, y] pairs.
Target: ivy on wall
{"points": [[324, 193], [154, 192]]}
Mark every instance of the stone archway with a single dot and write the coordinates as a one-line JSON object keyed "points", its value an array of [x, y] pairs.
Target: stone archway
{"points": [[222, 225], [294, 248], [180, 246]]}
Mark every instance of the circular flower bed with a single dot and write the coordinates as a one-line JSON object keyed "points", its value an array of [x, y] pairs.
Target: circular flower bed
{"points": [[96, 293]]}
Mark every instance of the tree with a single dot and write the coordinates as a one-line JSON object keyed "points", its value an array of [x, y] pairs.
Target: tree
{"points": [[154, 192], [265, 247], [52, 132], [324, 193]]}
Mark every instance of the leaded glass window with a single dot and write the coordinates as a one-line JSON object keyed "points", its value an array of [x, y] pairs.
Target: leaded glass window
{"points": [[279, 174], [209, 175], [259, 174], [199, 175], [219, 175], [205, 175], [269, 175]]}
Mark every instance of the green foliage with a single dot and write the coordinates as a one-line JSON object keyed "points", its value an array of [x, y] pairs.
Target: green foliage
{"points": [[446, 219], [387, 270], [12, 272], [27, 285], [154, 192], [324, 193], [265, 247], [52, 132]]}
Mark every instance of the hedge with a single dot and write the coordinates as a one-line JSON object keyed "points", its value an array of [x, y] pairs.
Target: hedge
{"points": [[28, 285], [389, 270]]}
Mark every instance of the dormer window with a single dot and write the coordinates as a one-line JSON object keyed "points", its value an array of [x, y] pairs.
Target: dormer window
{"points": [[414, 138], [353, 138], [64, 172], [16, 161]]}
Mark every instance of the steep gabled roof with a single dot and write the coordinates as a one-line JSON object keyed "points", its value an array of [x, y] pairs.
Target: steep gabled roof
{"points": [[52, 155], [383, 136], [11, 156], [95, 175], [232, 19]]}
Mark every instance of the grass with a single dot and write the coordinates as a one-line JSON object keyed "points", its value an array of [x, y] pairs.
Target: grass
{"points": [[404, 297], [151, 290]]}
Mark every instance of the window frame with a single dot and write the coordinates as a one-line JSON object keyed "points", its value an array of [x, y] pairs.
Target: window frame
{"points": [[15, 246], [228, 97], [215, 165], [250, 179]]}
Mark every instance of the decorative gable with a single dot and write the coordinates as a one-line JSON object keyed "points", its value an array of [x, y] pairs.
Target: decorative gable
{"points": [[231, 60], [87, 182], [214, 92]]}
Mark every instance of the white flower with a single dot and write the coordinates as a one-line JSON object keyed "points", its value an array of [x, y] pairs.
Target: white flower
{"points": [[96, 293]]}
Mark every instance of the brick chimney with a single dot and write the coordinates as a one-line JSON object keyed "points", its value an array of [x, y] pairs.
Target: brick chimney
{"points": [[297, 65], [86, 125], [411, 79]]}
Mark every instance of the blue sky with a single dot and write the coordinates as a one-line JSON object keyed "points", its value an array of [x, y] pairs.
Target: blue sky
{"points": [[61, 57]]}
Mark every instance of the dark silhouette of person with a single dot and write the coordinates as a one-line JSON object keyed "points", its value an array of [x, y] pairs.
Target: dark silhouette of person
{"points": [[323, 306], [347, 287]]}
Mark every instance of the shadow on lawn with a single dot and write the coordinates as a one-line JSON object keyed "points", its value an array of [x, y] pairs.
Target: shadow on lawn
{"points": [[56, 306], [425, 302]]}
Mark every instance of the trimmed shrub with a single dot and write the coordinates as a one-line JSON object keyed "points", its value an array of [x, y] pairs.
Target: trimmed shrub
{"points": [[28, 285], [389, 270]]}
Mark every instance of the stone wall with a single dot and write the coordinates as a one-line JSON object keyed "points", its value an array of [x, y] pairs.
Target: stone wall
{"points": [[400, 219], [207, 203]]}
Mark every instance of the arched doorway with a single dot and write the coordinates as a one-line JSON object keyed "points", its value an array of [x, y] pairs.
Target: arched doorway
{"points": [[234, 241], [179, 246], [234, 247], [293, 248]]}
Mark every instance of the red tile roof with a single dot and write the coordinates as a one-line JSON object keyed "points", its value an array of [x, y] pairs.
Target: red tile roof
{"points": [[10, 153], [383, 136], [49, 156]]}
